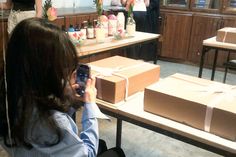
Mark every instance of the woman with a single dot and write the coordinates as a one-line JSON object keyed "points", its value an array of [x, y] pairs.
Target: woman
{"points": [[153, 11], [41, 91], [152, 26], [139, 13], [23, 9]]}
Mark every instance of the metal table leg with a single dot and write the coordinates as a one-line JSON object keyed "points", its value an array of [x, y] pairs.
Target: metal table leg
{"points": [[156, 44], [204, 50], [214, 65], [118, 132]]}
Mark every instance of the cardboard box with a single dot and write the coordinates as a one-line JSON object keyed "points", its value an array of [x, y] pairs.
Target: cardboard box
{"points": [[227, 35], [190, 100], [112, 87]]}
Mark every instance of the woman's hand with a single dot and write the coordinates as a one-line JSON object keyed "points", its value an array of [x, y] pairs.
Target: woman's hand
{"points": [[90, 91], [147, 2]]}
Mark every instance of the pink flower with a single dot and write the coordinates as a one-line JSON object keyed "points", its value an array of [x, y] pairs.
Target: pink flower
{"points": [[130, 3], [81, 34], [52, 14], [100, 2], [121, 33], [75, 35]]}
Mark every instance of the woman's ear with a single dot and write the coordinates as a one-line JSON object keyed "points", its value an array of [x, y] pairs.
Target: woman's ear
{"points": [[73, 78]]}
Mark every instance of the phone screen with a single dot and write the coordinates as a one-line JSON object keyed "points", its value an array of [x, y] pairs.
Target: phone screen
{"points": [[83, 73]]}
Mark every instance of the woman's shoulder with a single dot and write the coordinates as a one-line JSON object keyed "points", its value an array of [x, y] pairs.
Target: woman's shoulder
{"points": [[63, 120], [42, 133]]}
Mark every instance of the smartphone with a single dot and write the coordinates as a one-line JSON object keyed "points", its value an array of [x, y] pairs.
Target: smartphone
{"points": [[82, 73]]}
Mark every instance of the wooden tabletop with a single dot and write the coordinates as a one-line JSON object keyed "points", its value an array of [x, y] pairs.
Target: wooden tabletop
{"points": [[133, 108], [213, 43], [90, 46]]}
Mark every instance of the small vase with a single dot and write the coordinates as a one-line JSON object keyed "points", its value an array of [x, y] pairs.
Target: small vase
{"points": [[131, 26], [100, 33]]}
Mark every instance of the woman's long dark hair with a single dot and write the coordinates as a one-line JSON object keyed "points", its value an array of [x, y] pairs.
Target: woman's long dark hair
{"points": [[40, 59]]}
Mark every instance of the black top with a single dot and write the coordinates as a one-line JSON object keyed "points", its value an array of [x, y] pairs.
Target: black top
{"points": [[24, 1], [23, 5]]}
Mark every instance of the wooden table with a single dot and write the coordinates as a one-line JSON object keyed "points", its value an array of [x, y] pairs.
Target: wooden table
{"points": [[132, 111], [91, 47], [210, 44]]}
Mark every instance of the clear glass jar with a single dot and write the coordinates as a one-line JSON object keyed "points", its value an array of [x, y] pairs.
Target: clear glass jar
{"points": [[131, 26], [120, 21], [100, 32], [90, 31], [112, 24], [83, 29]]}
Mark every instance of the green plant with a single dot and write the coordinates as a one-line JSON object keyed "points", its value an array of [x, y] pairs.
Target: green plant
{"points": [[99, 8], [46, 6], [130, 6]]}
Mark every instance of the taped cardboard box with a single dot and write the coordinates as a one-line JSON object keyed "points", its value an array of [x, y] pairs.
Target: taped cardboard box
{"points": [[200, 103], [227, 35], [119, 77]]}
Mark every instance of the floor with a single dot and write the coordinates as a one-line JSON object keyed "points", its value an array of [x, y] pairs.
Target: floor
{"points": [[140, 142]]}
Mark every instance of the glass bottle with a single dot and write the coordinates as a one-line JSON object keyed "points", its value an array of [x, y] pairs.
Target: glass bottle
{"points": [[63, 28], [71, 32], [90, 31], [131, 26], [83, 30], [77, 27], [104, 23], [120, 22], [112, 24], [95, 24], [71, 28], [100, 32], [77, 31]]}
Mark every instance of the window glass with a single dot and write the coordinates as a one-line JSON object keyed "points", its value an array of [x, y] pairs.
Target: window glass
{"points": [[175, 3], [207, 4], [232, 3]]}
